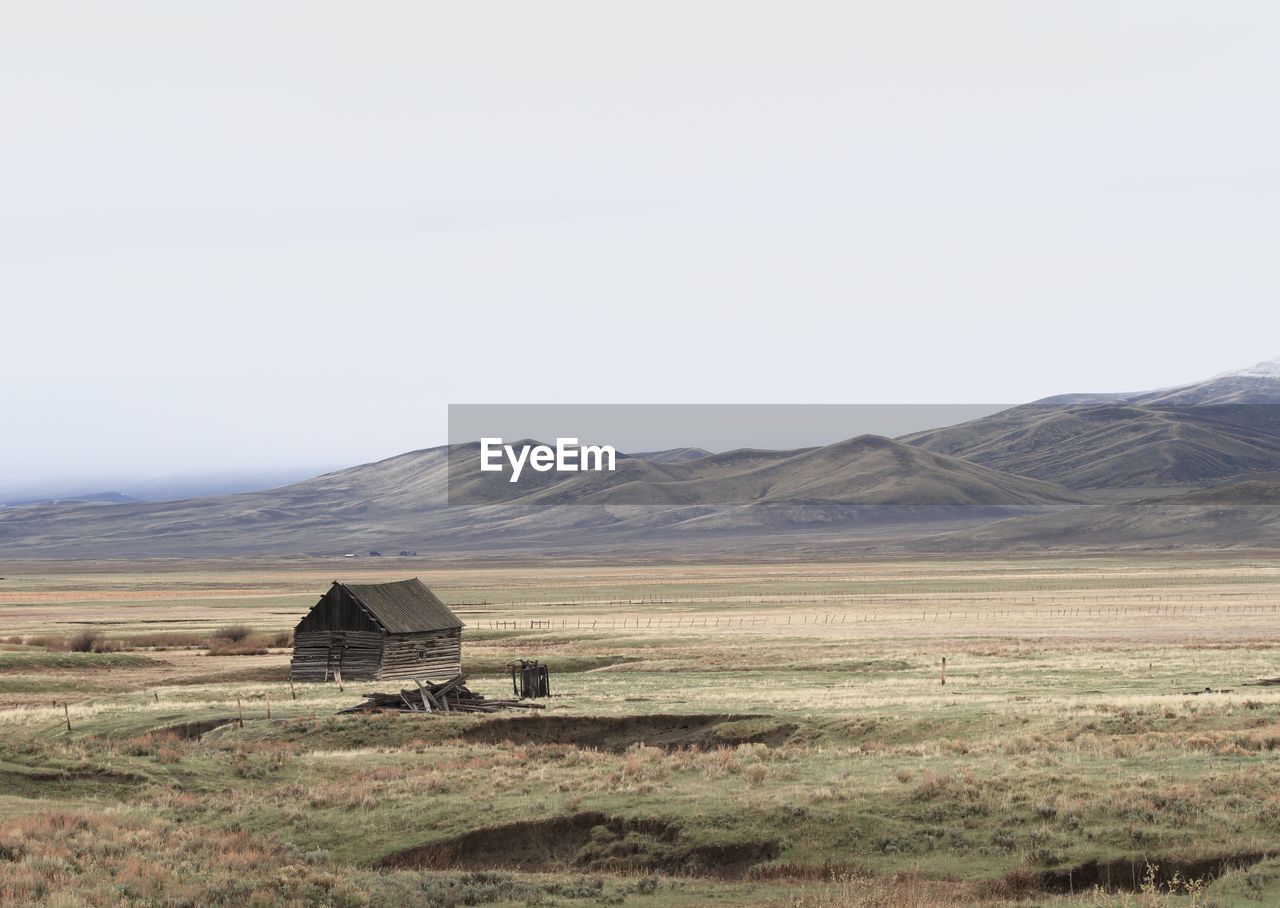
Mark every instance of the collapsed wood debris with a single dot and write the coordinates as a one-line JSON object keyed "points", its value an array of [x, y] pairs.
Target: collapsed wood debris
{"points": [[444, 697]]}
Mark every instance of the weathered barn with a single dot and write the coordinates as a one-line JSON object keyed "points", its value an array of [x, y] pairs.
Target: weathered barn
{"points": [[368, 631]]}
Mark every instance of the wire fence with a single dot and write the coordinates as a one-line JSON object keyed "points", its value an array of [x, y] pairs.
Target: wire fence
{"points": [[1065, 597], [642, 622]]}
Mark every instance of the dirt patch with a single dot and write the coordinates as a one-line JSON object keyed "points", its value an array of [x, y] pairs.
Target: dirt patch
{"points": [[194, 731], [43, 783], [586, 841], [105, 776], [1130, 874], [617, 733]]}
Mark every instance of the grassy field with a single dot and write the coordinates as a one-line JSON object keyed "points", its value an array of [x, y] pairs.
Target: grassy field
{"points": [[720, 734]]}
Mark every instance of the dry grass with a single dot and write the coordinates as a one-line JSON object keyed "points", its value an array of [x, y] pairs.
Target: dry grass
{"points": [[852, 890], [119, 859], [1058, 736], [54, 643], [1147, 598], [165, 640]]}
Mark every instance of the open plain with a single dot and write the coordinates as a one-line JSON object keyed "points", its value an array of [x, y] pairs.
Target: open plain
{"points": [[720, 733]]}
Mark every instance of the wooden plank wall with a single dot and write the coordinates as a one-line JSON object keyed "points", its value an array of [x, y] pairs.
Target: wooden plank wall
{"points": [[357, 654], [433, 655]]}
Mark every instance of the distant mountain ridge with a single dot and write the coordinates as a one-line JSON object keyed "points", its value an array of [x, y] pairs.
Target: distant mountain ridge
{"points": [[868, 469], [1117, 446], [1222, 429], [1257, 384], [674, 455], [1200, 464], [402, 502], [120, 490], [91, 498], [1197, 465]]}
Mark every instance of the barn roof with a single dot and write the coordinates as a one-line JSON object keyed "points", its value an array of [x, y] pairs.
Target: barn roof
{"points": [[404, 607]]}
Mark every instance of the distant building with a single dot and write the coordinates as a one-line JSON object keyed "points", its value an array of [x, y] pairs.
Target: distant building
{"points": [[370, 631]]}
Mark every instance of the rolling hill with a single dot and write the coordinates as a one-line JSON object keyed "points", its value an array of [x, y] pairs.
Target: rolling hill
{"points": [[402, 502], [1189, 467], [869, 470], [674, 455], [1195, 466], [1118, 446], [1219, 430]]}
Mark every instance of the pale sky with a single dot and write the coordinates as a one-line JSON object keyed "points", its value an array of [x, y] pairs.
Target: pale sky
{"points": [[269, 235]]}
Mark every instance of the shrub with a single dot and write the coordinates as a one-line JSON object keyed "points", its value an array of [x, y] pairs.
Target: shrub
{"points": [[232, 633], [49, 642], [85, 641], [646, 885]]}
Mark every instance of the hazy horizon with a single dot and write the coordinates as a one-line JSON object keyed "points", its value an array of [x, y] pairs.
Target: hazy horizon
{"points": [[264, 239]]}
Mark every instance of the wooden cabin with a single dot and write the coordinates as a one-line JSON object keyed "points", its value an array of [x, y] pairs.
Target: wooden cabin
{"points": [[370, 631]]}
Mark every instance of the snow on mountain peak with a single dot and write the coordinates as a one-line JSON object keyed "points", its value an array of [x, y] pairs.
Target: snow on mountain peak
{"points": [[1268, 369]]}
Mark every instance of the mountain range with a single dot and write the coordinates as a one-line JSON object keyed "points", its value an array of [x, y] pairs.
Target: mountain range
{"points": [[121, 489], [1119, 445], [1188, 467]]}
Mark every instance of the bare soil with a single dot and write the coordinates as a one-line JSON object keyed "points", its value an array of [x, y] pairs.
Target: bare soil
{"points": [[587, 841], [616, 734], [1131, 874]]}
